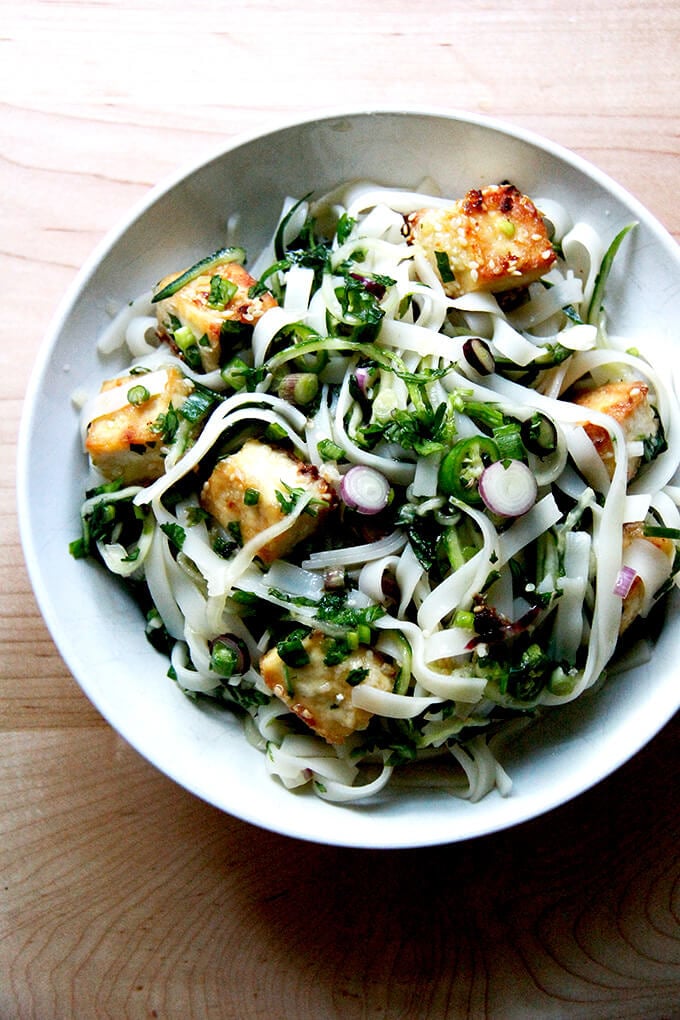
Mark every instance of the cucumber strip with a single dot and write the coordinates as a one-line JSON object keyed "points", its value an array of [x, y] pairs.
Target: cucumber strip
{"points": [[403, 678], [279, 244], [603, 274], [204, 265]]}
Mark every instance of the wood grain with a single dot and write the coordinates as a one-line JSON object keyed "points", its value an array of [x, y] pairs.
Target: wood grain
{"points": [[121, 895]]}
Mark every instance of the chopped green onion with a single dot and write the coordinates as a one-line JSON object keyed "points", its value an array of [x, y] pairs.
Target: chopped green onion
{"points": [[138, 395], [251, 497], [328, 450], [234, 373], [188, 345], [464, 619], [184, 337], [78, 549], [507, 227], [363, 634], [299, 388], [275, 432]]}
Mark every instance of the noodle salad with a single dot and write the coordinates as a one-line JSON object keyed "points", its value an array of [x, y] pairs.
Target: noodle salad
{"points": [[393, 490]]}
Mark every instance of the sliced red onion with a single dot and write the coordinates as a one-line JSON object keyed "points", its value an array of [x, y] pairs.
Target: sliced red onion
{"points": [[373, 287], [508, 488], [624, 581], [363, 376], [365, 490]]}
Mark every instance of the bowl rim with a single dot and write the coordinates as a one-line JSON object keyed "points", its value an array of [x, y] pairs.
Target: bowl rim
{"points": [[65, 306]]}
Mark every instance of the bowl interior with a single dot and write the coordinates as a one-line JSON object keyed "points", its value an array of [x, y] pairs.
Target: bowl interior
{"points": [[98, 629]]}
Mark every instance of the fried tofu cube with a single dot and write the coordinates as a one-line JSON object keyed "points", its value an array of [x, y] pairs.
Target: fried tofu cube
{"points": [[634, 602], [123, 440], [493, 239], [197, 319], [257, 487], [628, 404], [321, 695]]}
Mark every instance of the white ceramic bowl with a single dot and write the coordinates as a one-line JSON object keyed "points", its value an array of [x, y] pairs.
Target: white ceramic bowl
{"points": [[99, 631]]}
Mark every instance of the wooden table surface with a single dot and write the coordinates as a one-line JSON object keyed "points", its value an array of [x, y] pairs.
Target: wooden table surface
{"points": [[121, 895]]}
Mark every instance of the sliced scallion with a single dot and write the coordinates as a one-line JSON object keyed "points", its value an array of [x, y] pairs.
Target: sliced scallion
{"points": [[328, 450], [138, 395], [299, 388]]}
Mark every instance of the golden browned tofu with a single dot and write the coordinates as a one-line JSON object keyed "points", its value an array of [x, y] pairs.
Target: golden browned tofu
{"points": [[200, 309], [256, 488], [632, 604], [628, 404], [321, 695], [123, 443], [493, 239]]}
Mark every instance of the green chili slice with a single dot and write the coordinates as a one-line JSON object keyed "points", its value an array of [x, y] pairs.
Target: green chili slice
{"points": [[462, 466]]}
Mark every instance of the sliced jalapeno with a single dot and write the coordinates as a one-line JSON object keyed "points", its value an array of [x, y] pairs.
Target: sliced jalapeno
{"points": [[463, 465]]}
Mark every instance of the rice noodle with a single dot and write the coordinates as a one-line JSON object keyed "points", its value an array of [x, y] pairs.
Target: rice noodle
{"points": [[439, 624]]}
